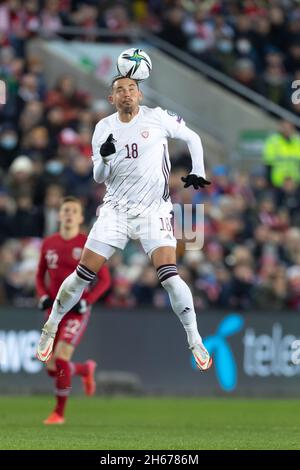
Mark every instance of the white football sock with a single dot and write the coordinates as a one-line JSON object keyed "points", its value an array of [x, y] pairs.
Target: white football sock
{"points": [[182, 303], [69, 294]]}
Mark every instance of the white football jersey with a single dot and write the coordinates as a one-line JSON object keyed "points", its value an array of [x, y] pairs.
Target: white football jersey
{"points": [[137, 178]]}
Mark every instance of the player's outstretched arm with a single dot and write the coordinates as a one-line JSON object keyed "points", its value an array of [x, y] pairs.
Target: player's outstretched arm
{"points": [[197, 177], [194, 144], [175, 127]]}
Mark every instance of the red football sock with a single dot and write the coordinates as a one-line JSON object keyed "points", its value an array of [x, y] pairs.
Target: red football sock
{"points": [[79, 368], [63, 385]]}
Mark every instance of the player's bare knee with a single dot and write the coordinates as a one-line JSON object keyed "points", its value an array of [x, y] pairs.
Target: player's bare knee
{"points": [[50, 365], [91, 260], [163, 256], [64, 355], [64, 351]]}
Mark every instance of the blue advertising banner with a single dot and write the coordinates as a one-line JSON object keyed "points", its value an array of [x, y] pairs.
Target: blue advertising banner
{"points": [[145, 351]]}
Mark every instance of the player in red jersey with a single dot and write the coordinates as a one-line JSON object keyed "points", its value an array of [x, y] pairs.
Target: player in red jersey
{"points": [[59, 257]]}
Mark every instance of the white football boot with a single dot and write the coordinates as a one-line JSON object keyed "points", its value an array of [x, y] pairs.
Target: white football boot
{"points": [[45, 344], [202, 357]]}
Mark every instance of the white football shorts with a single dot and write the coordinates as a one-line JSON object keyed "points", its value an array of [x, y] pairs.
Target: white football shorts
{"points": [[115, 228]]}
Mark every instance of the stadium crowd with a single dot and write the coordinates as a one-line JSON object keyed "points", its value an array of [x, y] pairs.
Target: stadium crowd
{"points": [[251, 255], [256, 42]]}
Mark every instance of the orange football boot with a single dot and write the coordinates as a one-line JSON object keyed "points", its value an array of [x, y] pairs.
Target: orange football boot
{"points": [[89, 383], [202, 357], [54, 418]]}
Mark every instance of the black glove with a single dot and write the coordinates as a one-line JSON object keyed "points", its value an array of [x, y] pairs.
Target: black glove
{"points": [[81, 307], [108, 147], [45, 302], [197, 181]]}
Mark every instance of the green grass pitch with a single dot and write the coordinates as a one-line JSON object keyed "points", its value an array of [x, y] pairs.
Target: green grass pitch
{"points": [[151, 423]]}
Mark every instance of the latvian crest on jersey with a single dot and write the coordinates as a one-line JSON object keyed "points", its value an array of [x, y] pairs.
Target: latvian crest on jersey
{"points": [[145, 134], [76, 253]]}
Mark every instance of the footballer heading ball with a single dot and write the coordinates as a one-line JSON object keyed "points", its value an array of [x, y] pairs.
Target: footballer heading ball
{"points": [[135, 64]]}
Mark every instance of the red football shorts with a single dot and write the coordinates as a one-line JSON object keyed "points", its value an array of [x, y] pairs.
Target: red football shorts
{"points": [[72, 328]]}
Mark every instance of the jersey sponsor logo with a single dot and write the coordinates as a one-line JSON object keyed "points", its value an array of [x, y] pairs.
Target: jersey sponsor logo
{"points": [[145, 134], [76, 253], [52, 259]]}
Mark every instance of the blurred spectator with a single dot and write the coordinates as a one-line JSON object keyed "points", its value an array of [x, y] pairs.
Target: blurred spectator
{"points": [[268, 215], [271, 293], [259, 182], [18, 269], [293, 57], [282, 155], [67, 97], [197, 27], [79, 175], [36, 144], [31, 116], [245, 74], [51, 20], [172, 28], [288, 197], [144, 289], [241, 288], [291, 246], [5, 210], [26, 221], [54, 172], [27, 92], [121, 295], [274, 80], [8, 145], [21, 178], [116, 18], [293, 278], [50, 208]]}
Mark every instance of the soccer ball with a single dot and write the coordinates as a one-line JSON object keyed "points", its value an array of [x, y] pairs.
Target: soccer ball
{"points": [[135, 64]]}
